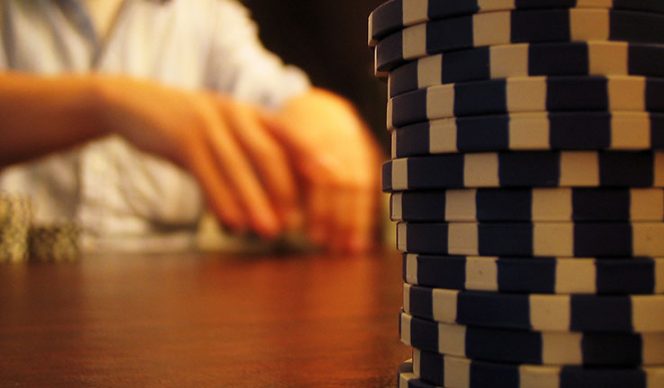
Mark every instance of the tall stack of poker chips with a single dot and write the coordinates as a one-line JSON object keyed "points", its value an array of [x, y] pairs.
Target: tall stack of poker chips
{"points": [[527, 177]]}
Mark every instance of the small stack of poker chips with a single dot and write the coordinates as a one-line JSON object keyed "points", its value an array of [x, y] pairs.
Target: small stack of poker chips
{"points": [[21, 240], [57, 242], [15, 217], [527, 177]]}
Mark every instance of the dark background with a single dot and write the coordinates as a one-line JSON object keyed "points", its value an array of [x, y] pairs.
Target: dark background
{"points": [[327, 39]]}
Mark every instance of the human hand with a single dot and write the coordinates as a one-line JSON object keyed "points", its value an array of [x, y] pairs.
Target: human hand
{"points": [[338, 165], [243, 171]]}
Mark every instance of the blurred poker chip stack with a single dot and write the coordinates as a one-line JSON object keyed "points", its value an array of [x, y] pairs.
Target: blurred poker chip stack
{"points": [[57, 242], [15, 217], [527, 180]]}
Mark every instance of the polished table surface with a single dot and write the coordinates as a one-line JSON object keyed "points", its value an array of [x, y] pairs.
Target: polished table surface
{"points": [[202, 320]]}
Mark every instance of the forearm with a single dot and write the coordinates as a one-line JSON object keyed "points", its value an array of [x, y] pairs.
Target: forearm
{"points": [[40, 115]]}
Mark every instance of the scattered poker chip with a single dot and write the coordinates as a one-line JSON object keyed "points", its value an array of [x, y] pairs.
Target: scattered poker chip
{"points": [[525, 169], [538, 312], [562, 239], [527, 94], [15, 219], [529, 205], [395, 15], [529, 60], [536, 275], [531, 347], [458, 372], [541, 131], [58, 242], [524, 26]]}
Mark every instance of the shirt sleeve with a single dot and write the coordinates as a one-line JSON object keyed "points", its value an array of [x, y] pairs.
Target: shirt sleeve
{"points": [[241, 66]]}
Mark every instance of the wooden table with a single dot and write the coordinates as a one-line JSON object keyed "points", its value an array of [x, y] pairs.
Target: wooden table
{"points": [[202, 320]]}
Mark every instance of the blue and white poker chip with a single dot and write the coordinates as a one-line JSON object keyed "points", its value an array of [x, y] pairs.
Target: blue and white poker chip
{"points": [[549, 275], [528, 94], [395, 15], [523, 239], [537, 312], [533, 347], [525, 169], [431, 370], [596, 58], [529, 205], [536, 131], [529, 26]]}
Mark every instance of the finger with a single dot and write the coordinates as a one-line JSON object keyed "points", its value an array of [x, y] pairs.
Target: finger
{"points": [[353, 221], [362, 227], [316, 213], [333, 196], [243, 180], [280, 132], [362, 232], [267, 158], [341, 218], [223, 203]]}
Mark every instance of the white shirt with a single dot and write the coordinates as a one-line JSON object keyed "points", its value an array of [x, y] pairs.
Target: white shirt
{"points": [[123, 198], [103, 13]]}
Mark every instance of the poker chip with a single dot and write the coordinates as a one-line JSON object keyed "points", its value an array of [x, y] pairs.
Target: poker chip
{"points": [[597, 58], [538, 312], [521, 26], [532, 347], [58, 242], [525, 169], [15, 218], [615, 276], [395, 15], [538, 131], [564, 239], [529, 205], [528, 94], [436, 370], [406, 378]]}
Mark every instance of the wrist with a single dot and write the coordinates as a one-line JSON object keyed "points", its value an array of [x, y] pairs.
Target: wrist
{"points": [[96, 103]]}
